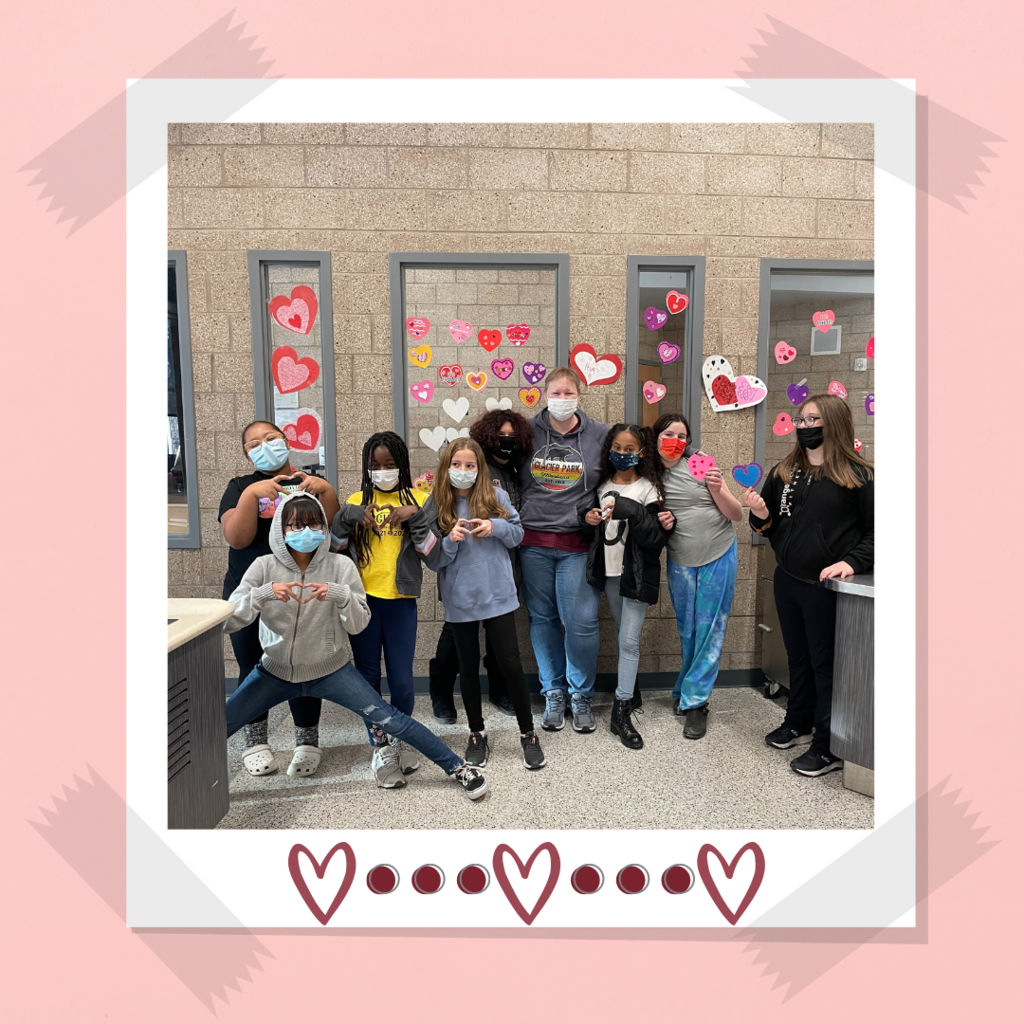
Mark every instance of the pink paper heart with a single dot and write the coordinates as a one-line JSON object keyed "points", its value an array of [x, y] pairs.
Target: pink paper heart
{"points": [[836, 388], [668, 353], [783, 425], [870, 350], [423, 391], [502, 368], [745, 393], [418, 326], [700, 464], [460, 330], [654, 392], [784, 352]]}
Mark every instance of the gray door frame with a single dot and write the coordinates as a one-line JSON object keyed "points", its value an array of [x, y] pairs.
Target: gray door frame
{"points": [[263, 399], [399, 261], [694, 332], [178, 259]]}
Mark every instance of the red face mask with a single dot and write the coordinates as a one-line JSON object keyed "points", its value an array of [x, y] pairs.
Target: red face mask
{"points": [[671, 447]]}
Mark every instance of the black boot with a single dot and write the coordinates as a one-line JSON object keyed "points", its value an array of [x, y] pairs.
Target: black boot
{"points": [[622, 725], [696, 722], [441, 696], [637, 700]]}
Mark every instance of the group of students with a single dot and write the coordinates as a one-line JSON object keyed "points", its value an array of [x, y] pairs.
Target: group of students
{"points": [[558, 508]]}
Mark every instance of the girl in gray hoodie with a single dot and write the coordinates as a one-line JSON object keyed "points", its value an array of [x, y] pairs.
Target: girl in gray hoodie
{"points": [[307, 598]]}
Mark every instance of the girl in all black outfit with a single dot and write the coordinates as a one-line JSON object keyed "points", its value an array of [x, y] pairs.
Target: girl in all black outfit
{"points": [[817, 509]]}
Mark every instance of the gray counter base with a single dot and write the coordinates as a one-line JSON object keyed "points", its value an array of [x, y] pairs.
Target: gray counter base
{"points": [[859, 779]]}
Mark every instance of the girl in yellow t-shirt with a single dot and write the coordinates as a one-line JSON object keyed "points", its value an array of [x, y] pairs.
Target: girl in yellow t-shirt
{"points": [[384, 530]]}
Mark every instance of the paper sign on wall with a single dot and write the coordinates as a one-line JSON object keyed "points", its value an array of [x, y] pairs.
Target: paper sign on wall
{"points": [[529, 396], [289, 401], [422, 391], [798, 393]]}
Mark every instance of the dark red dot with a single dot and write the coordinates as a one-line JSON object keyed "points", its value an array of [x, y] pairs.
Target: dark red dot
{"points": [[382, 879], [427, 879], [587, 878], [473, 878], [632, 879], [676, 879]]}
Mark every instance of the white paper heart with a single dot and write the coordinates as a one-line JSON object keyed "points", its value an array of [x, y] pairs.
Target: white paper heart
{"points": [[433, 438], [596, 369], [453, 433], [746, 389], [457, 409], [493, 405]]}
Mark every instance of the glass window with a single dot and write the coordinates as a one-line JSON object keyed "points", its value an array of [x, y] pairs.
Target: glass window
{"points": [[182, 496]]}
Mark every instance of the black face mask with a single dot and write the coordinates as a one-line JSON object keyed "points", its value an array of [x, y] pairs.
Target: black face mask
{"points": [[810, 437], [506, 445]]}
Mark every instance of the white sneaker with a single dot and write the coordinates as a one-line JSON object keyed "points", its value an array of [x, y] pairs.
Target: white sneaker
{"points": [[408, 759], [387, 768]]}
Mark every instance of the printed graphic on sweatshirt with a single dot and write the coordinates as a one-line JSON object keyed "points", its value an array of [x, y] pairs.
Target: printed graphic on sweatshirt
{"points": [[557, 466], [269, 505]]}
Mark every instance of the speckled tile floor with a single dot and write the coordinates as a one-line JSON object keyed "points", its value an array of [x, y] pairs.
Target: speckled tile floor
{"points": [[729, 779]]}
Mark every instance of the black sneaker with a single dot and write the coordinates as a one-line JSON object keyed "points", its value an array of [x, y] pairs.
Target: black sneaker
{"points": [[445, 713], [786, 736], [476, 750], [814, 763], [503, 704], [532, 754], [696, 722], [471, 780]]}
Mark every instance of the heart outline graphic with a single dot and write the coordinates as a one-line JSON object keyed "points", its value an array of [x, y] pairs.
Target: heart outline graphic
{"points": [[321, 869], [524, 871], [301, 302], [589, 365], [450, 374], [286, 367], [730, 870]]}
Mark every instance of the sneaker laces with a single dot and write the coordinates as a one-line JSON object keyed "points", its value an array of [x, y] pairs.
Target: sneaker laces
{"points": [[467, 773], [582, 703], [554, 699]]}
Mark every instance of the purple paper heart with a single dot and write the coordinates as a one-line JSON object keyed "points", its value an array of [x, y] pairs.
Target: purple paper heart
{"points": [[668, 353], [654, 317], [869, 404], [797, 393], [533, 373]]}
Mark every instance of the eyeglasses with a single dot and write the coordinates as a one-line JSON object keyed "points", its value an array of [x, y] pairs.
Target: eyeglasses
{"points": [[251, 446], [806, 421]]}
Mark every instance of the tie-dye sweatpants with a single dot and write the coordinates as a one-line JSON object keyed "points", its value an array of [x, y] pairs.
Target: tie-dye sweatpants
{"points": [[702, 598]]}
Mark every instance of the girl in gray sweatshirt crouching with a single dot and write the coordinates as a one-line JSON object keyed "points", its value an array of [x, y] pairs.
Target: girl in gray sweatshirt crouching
{"points": [[306, 598]]}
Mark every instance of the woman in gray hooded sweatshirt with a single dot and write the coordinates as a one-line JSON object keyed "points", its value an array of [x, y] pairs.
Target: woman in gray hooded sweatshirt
{"points": [[306, 598]]}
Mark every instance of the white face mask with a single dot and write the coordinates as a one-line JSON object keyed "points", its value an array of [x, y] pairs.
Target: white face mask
{"points": [[462, 478], [384, 479], [563, 408]]}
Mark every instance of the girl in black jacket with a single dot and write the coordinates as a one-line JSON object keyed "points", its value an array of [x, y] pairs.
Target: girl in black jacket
{"points": [[817, 509], [624, 560]]}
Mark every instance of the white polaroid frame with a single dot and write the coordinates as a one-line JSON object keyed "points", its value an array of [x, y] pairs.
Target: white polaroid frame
{"points": [[225, 878]]}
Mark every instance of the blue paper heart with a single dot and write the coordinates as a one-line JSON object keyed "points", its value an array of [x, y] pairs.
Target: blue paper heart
{"points": [[747, 476]]}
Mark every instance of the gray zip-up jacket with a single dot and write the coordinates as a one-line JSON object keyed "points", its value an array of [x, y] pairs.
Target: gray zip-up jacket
{"points": [[301, 642]]}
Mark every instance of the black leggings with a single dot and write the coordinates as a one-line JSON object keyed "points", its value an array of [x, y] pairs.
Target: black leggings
{"points": [[248, 651], [444, 669], [501, 635]]}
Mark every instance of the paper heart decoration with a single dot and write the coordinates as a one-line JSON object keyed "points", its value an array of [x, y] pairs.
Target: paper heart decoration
{"points": [[869, 404], [460, 330], [533, 373], [798, 393], [433, 438], [424, 483], [421, 356], [699, 465], [823, 319], [668, 353], [502, 368], [423, 391], [518, 334], [676, 302], [836, 388], [417, 326], [457, 409], [747, 475], [529, 396], [653, 391], [730, 870], [784, 352], [783, 425], [450, 375], [727, 392], [304, 434], [295, 870], [297, 312], [451, 433], [870, 350], [857, 444], [498, 863], [477, 381], [493, 404], [291, 373], [654, 317], [490, 340], [592, 368]]}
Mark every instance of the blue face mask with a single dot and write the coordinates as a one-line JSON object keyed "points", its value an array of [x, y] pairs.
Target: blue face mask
{"points": [[623, 460], [304, 540], [270, 455]]}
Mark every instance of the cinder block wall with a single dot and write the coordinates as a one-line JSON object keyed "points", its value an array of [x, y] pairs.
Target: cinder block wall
{"points": [[731, 192]]}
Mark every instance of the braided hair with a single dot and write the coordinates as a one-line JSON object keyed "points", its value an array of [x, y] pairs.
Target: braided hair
{"points": [[648, 468], [400, 453]]}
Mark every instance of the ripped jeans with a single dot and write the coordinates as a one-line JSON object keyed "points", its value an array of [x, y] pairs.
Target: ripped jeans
{"points": [[261, 691]]}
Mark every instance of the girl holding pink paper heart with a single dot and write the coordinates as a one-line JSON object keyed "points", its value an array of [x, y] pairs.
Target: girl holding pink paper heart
{"points": [[817, 509], [701, 566]]}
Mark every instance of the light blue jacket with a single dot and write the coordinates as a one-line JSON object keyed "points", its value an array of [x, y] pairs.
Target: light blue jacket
{"points": [[474, 576]]}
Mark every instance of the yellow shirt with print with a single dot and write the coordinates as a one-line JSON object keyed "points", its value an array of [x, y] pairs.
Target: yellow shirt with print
{"points": [[379, 574]]}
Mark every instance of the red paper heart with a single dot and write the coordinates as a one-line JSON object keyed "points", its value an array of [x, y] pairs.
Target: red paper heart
{"points": [[724, 390], [489, 339], [291, 373], [450, 375], [518, 334], [296, 312], [592, 368], [524, 871], [418, 326], [303, 434], [676, 302], [730, 869], [300, 883]]}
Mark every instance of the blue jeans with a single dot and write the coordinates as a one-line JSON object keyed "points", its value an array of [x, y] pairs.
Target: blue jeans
{"points": [[629, 618], [702, 598], [557, 594], [261, 691]]}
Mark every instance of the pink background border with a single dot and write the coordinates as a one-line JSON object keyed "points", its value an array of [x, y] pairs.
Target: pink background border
{"points": [[65, 943]]}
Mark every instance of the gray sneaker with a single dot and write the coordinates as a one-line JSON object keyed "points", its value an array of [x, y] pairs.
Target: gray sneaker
{"points": [[582, 716], [408, 760], [387, 768], [554, 710]]}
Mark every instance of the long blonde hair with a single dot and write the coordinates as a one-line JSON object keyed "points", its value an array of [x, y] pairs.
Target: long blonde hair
{"points": [[840, 455], [482, 501]]}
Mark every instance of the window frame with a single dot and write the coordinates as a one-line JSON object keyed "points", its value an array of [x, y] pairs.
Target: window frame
{"points": [[263, 399], [177, 260]]}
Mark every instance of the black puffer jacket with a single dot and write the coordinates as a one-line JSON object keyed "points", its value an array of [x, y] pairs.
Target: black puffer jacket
{"points": [[641, 559]]}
